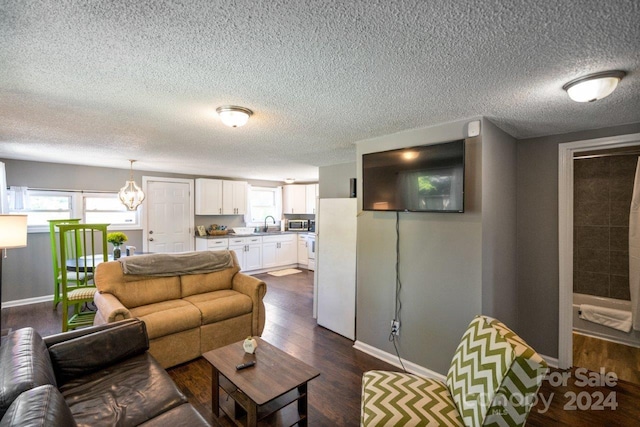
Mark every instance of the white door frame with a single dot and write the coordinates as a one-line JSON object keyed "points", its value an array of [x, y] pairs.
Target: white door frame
{"points": [[145, 222], [566, 152]]}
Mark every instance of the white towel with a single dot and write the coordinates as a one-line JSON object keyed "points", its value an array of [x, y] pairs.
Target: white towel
{"points": [[611, 317]]}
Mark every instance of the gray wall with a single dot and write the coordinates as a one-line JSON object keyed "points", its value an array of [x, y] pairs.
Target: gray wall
{"points": [[440, 262], [335, 180], [499, 225], [537, 234], [28, 272]]}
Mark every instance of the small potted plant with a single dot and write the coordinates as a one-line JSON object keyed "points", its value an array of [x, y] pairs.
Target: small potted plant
{"points": [[116, 238]]}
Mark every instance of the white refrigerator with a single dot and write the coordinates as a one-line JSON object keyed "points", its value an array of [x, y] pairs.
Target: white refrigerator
{"points": [[335, 276]]}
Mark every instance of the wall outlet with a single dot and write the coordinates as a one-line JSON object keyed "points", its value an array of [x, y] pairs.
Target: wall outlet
{"points": [[395, 327]]}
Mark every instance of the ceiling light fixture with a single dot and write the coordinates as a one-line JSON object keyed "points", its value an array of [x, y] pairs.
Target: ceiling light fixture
{"points": [[234, 116], [289, 180], [594, 86], [131, 195]]}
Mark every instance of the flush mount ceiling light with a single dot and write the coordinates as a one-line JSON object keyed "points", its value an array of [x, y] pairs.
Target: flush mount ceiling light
{"points": [[289, 180], [131, 195], [594, 86], [234, 116]]}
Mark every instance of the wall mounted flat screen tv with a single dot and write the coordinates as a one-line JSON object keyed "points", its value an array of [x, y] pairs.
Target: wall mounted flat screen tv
{"points": [[428, 178]]}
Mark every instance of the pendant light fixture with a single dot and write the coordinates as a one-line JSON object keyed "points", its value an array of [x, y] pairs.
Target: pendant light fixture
{"points": [[131, 195], [594, 86], [234, 116]]}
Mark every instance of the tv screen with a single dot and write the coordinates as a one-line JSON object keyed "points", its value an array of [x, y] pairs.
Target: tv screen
{"points": [[428, 178]]}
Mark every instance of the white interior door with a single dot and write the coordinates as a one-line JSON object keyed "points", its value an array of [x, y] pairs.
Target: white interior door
{"points": [[336, 265], [169, 215]]}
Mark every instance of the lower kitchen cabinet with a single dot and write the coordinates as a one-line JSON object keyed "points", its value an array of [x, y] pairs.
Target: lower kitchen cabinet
{"points": [[279, 250], [211, 244], [303, 254], [249, 252]]}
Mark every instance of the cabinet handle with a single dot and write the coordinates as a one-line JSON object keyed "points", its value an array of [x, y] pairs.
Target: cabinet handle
{"points": [[220, 210]]}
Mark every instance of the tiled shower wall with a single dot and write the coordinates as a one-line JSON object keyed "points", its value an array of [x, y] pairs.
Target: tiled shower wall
{"points": [[602, 198]]}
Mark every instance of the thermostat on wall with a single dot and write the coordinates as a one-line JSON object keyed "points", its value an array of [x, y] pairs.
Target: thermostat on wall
{"points": [[473, 128]]}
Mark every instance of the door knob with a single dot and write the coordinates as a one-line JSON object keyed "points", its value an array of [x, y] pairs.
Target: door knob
{"points": [[150, 231], [151, 239]]}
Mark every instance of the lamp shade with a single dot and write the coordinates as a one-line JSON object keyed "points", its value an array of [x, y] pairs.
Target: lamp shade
{"points": [[13, 231]]}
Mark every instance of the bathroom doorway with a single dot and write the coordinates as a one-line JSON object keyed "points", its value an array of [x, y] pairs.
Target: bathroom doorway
{"points": [[576, 264], [602, 329]]}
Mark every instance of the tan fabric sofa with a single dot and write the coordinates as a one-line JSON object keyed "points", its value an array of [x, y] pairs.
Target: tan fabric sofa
{"points": [[186, 315]]}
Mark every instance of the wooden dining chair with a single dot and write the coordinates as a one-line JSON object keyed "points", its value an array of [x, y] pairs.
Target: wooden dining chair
{"points": [[56, 259], [88, 247]]}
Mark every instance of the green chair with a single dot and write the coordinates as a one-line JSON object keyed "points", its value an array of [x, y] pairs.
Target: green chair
{"points": [[88, 243], [493, 381], [55, 257]]}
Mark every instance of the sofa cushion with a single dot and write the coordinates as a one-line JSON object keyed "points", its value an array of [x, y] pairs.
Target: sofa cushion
{"points": [[168, 317], [133, 290], [479, 365], [125, 394], [85, 354], [24, 364], [518, 391], [183, 415], [41, 406], [399, 399], [221, 305], [194, 284]]}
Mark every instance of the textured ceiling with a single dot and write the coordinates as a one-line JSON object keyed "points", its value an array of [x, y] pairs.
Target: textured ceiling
{"points": [[100, 82]]}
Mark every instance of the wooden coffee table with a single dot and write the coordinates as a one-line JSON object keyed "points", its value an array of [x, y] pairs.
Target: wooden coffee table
{"points": [[276, 381]]}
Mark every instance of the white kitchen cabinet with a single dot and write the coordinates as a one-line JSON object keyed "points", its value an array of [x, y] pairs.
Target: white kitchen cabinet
{"points": [[208, 196], [311, 195], [220, 197], [234, 197], [211, 244], [248, 250], [294, 199], [303, 254], [279, 250]]}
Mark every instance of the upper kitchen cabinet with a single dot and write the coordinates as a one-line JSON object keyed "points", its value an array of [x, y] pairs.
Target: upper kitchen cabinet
{"points": [[294, 199], [299, 199], [208, 196], [311, 197], [220, 197], [234, 197]]}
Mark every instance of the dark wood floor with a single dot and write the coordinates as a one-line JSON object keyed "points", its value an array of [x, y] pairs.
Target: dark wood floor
{"points": [[334, 397], [595, 354]]}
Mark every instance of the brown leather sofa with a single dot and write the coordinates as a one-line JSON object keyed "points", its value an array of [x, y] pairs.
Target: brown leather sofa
{"points": [[98, 376], [187, 312]]}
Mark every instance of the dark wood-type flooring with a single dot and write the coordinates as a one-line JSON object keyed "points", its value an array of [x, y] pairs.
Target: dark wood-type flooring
{"points": [[595, 354], [334, 397]]}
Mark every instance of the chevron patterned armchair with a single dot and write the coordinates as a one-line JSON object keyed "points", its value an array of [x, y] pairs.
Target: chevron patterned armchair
{"points": [[493, 381]]}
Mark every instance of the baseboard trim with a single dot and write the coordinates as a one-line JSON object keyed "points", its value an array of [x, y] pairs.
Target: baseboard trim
{"points": [[26, 301], [392, 359], [551, 361]]}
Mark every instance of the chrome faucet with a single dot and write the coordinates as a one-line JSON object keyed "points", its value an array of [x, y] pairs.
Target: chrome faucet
{"points": [[265, 223]]}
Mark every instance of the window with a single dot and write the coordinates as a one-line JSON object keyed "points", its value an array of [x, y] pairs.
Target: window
{"points": [[43, 205], [40, 206], [106, 208], [264, 201]]}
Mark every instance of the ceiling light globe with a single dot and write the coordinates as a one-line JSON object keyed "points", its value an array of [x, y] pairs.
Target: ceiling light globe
{"points": [[593, 87], [233, 116]]}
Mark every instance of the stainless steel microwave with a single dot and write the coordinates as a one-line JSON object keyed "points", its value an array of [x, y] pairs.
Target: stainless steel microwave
{"points": [[298, 224]]}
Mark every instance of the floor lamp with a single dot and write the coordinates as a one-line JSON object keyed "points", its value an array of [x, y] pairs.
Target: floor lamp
{"points": [[13, 234]]}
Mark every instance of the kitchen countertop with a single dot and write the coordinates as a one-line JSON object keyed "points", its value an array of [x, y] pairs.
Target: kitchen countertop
{"points": [[270, 233]]}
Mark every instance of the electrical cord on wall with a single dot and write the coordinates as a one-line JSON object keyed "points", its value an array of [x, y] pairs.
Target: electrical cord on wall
{"points": [[393, 335]]}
